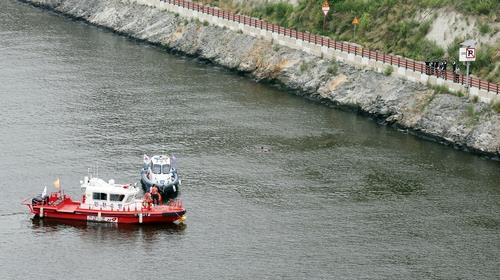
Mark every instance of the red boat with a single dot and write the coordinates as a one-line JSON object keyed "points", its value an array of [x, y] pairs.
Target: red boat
{"points": [[105, 202]]}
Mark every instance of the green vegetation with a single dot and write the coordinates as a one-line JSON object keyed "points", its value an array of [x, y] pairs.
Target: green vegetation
{"points": [[333, 68], [440, 89], [477, 7], [484, 28], [495, 105], [388, 70], [304, 67], [390, 26], [472, 114]]}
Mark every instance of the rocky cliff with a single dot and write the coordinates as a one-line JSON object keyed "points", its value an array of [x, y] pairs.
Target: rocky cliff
{"points": [[411, 106]]}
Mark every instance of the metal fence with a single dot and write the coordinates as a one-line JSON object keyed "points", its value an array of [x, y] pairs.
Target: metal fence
{"points": [[399, 61]]}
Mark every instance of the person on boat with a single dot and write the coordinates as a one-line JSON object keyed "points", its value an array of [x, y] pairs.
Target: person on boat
{"points": [[147, 201], [155, 195], [149, 174]]}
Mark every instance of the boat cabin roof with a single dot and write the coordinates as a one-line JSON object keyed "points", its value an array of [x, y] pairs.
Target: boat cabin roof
{"points": [[100, 186], [161, 159]]}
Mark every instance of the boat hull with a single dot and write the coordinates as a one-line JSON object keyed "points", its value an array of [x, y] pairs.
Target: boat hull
{"points": [[72, 211]]}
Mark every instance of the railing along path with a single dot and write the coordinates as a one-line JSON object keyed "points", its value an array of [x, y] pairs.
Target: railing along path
{"points": [[399, 61]]}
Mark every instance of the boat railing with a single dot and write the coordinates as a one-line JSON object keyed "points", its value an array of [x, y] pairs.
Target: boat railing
{"points": [[175, 203], [134, 206], [119, 207]]}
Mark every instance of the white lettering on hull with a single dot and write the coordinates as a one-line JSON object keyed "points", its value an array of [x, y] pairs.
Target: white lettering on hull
{"points": [[102, 219]]}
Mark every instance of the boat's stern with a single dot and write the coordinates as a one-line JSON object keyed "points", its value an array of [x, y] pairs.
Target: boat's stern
{"points": [[172, 211]]}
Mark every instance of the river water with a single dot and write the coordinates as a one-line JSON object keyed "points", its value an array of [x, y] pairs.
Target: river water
{"points": [[276, 187]]}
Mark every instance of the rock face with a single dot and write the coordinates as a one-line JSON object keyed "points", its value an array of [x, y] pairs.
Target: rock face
{"points": [[446, 118]]}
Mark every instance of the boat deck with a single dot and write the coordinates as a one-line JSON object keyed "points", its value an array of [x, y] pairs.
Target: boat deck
{"points": [[68, 208]]}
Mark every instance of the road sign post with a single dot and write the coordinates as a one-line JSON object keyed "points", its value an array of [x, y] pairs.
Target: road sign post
{"points": [[355, 22], [325, 8], [467, 53]]}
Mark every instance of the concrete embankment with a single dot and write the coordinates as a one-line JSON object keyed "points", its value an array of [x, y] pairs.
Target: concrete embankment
{"points": [[404, 104]]}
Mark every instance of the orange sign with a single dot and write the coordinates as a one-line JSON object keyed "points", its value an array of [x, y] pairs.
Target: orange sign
{"points": [[355, 21]]}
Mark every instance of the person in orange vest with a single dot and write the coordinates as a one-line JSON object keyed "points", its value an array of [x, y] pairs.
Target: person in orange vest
{"points": [[155, 195], [147, 201]]}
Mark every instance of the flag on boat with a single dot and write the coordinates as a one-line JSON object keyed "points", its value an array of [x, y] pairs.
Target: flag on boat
{"points": [[57, 184], [44, 193], [146, 158]]}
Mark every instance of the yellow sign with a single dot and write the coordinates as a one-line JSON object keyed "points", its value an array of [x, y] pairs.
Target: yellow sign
{"points": [[355, 21]]}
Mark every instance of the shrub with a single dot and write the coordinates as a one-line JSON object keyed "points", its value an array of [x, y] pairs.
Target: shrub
{"points": [[276, 12], [333, 68], [495, 105], [441, 89], [470, 110], [481, 7], [303, 67], [484, 28], [472, 113], [388, 70]]}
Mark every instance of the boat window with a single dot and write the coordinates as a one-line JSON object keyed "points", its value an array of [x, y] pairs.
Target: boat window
{"points": [[156, 169], [116, 197], [165, 168], [100, 196]]}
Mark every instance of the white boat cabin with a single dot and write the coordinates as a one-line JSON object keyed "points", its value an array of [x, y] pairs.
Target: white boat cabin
{"points": [[99, 194]]}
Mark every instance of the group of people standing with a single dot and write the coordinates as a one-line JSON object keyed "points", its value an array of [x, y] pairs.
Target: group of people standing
{"points": [[438, 68], [153, 197]]}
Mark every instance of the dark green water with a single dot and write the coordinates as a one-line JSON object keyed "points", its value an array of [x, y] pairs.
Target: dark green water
{"points": [[331, 196]]}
